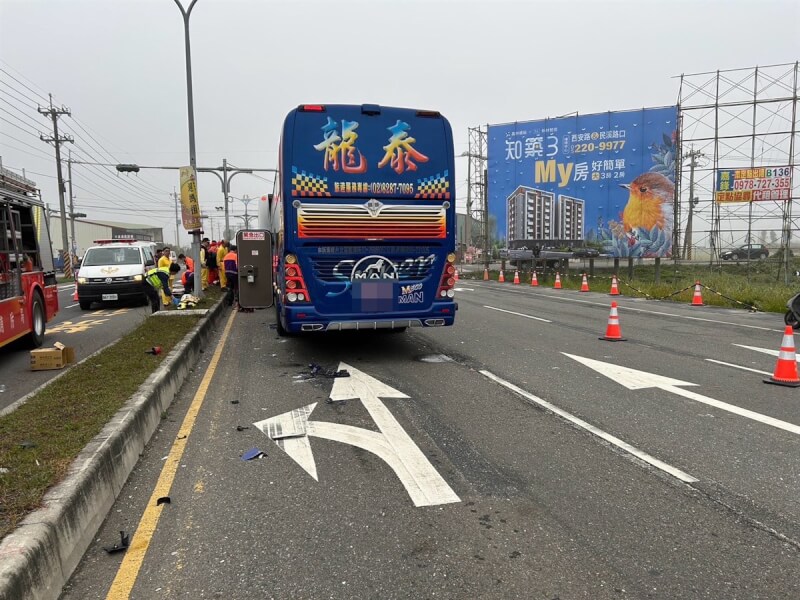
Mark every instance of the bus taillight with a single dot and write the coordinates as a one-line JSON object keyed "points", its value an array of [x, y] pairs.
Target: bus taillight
{"points": [[446, 291], [312, 108], [296, 290]]}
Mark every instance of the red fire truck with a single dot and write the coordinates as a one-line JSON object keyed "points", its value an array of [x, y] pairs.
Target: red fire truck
{"points": [[28, 291]]}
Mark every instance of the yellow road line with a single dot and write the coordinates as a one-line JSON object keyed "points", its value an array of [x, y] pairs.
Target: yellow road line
{"points": [[129, 569]]}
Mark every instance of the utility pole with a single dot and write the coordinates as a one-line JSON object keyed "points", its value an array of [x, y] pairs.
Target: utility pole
{"points": [[73, 246], [177, 218], [57, 140], [687, 239], [187, 13], [246, 200], [225, 190]]}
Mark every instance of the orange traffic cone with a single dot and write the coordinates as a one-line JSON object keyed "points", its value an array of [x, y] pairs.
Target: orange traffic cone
{"points": [[613, 331], [455, 275], [584, 284], [486, 274], [502, 278], [557, 284], [697, 299], [614, 287], [786, 367], [75, 294], [516, 277], [534, 281]]}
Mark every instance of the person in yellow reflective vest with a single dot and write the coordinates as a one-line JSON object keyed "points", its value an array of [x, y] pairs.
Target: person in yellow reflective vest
{"points": [[222, 250], [203, 265], [157, 280], [164, 262]]}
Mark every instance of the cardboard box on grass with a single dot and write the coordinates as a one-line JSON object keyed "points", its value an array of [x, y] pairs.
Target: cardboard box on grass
{"points": [[57, 357]]}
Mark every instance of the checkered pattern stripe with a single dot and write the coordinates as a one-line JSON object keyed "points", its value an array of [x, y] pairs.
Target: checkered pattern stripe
{"points": [[434, 187], [309, 185]]}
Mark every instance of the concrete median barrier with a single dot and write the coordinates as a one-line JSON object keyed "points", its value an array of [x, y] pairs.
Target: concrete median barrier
{"points": [[38, 557]]}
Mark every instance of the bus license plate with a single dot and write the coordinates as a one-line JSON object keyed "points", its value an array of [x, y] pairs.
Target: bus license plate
{"points": [[110, 297]]}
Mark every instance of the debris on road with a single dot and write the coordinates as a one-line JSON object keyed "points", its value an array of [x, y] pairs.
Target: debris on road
{"points": [[254, 453], [330, 373], [241, 428], [124, 542], [155, 351], [163, 500]]}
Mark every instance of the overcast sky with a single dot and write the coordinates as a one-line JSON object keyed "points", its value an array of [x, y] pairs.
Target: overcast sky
{"points": [[118, 65]]}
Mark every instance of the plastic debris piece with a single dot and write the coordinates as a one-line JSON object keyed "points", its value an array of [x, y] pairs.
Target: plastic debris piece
{"points": [[124, 542], [342, 373], [27, 445], [234, 402], [155, 351], [253, 453], [4, 470], [163, 500], [241, 428]]}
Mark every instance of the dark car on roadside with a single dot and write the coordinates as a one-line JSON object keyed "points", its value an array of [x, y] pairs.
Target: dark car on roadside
{"points": [[585, 252], [752, 251]]}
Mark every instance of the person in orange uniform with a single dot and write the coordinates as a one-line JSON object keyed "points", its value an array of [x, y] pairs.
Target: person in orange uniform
{"points": [[187, 279], [231, 266], [27, 263], [222, 250]]}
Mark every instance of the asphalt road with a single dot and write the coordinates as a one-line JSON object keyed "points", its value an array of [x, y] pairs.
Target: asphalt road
{"points": [[510, 499], [86, 331]]}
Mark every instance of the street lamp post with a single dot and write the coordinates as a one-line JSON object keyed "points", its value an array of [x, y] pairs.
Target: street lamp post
{"points": [[198, 286]]}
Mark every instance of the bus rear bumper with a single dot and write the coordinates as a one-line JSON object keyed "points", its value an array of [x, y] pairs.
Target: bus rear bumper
{"points": [[440, 315]]}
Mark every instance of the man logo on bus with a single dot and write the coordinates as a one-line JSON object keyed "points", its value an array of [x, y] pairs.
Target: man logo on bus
{"points": [[342, 148], [374, 267], [400, 150]]}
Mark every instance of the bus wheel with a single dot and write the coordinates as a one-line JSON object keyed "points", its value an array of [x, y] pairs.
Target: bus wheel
{"points": [[38, 320], [278, 325]]}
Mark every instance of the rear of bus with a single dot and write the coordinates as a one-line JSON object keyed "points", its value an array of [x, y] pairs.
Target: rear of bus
{"points": [[367, 231]]}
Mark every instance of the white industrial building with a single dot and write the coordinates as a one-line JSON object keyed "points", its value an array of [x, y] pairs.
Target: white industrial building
{"points": [[87, 231]]}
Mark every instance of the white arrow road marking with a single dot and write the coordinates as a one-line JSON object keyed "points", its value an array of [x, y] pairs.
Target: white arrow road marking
{"points": [[637, 380], [613, 440], [765, 351], [516, 313], [291, 430]]}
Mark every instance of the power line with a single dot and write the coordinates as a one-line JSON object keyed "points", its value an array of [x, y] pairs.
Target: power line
{"points": [[11, 137], [22, 84]]}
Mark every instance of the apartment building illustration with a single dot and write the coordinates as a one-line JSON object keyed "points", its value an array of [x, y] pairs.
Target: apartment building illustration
{"points": [[534, 214]]}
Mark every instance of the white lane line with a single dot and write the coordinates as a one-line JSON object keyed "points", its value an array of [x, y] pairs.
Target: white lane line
{"points": [[675, 472], [71, 306], [629, 308], [764, 350], [67, 286], [511, 312], [719, 362]]}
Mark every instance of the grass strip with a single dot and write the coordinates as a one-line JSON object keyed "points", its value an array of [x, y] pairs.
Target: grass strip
{"points": [[733, 285], [61, 419]]}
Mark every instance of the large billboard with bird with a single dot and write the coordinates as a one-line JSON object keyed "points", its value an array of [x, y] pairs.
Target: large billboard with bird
{"points": [[605, 179]]}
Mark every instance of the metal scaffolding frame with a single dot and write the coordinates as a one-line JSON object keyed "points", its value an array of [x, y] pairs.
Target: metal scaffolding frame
{"points": [[733, 119], [477, 191]]}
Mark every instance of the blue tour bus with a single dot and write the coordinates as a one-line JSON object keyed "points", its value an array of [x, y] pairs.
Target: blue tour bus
{"points": [[364, 219]]}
